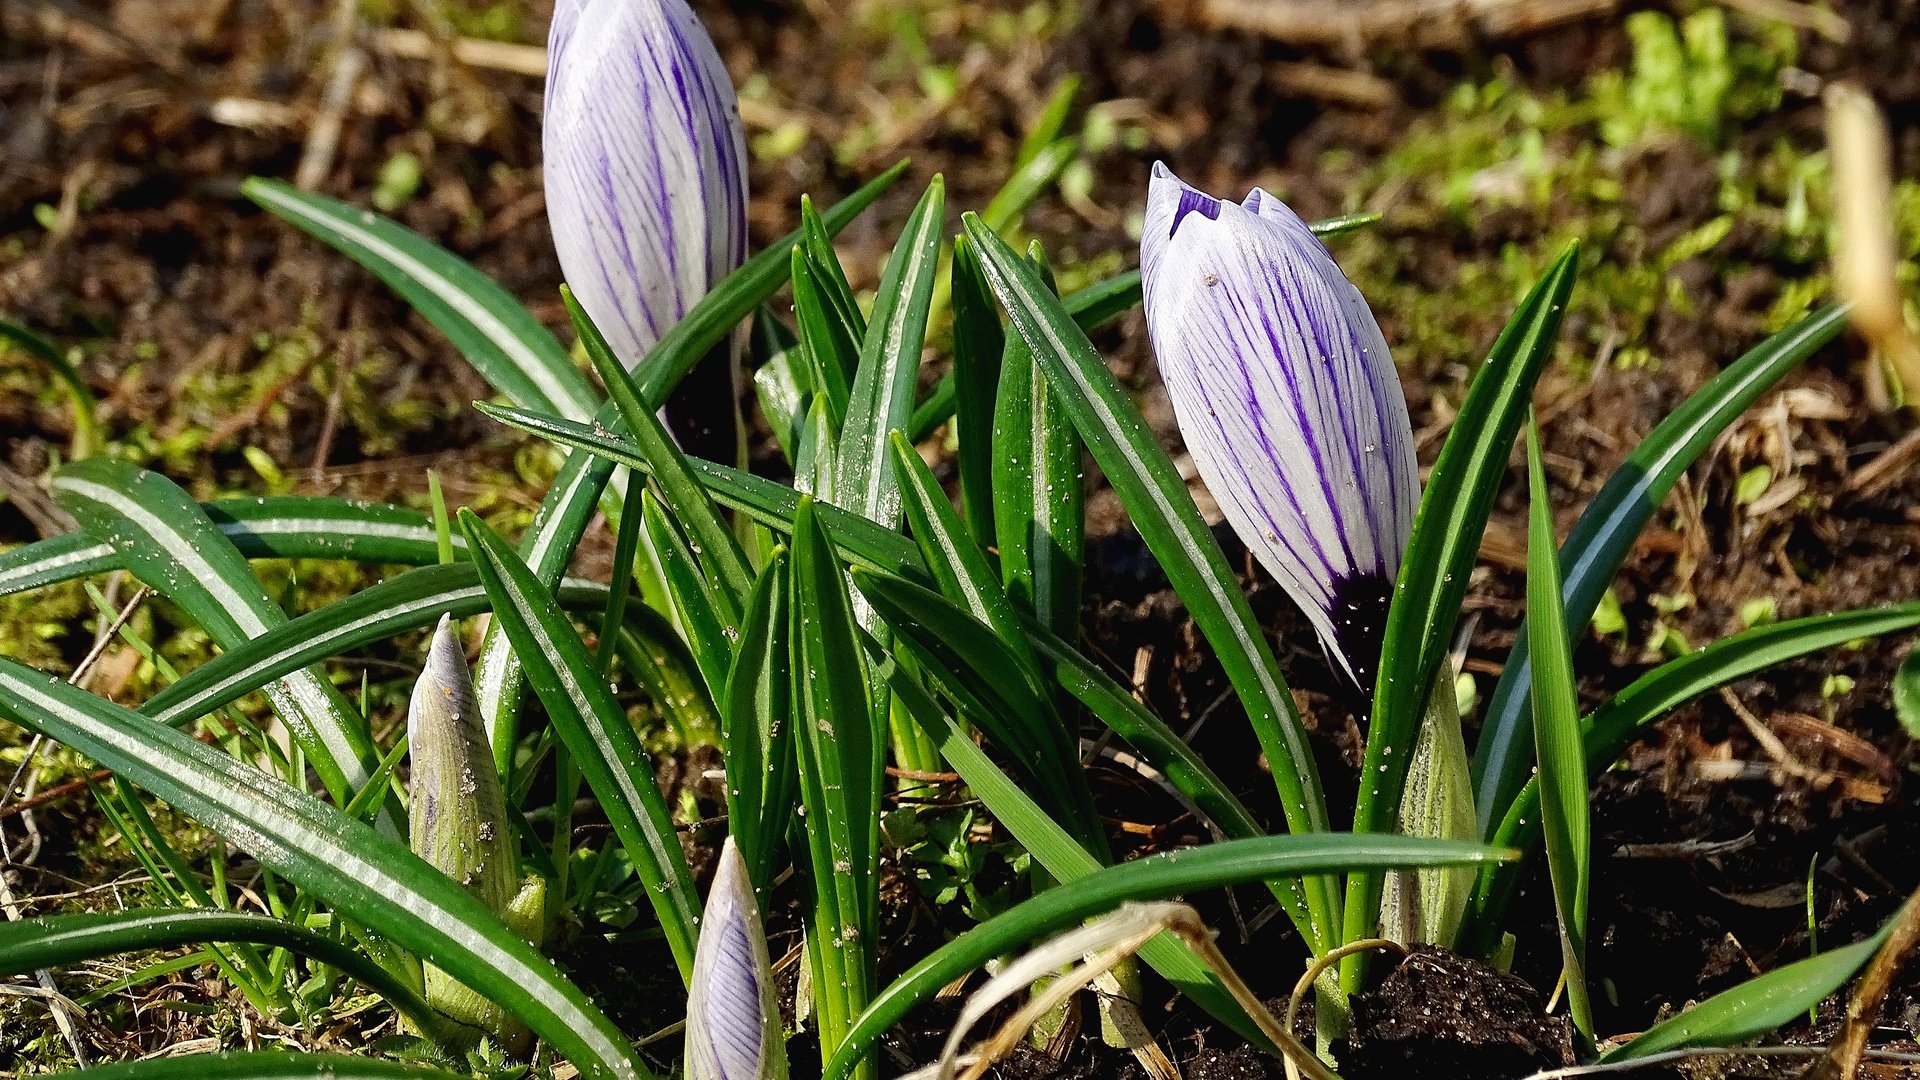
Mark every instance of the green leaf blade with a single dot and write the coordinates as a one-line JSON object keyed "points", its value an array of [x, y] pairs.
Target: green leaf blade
{"points": [[162, 537], [595, 729], [502, 340], [1447, 529], [1565, 816], [881, 399], [1598, 544], [373, 879], [1157, 502], [1756, 1006]]}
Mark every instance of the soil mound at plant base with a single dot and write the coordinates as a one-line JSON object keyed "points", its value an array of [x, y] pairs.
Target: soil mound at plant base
{"points": [[1444, 1016]]}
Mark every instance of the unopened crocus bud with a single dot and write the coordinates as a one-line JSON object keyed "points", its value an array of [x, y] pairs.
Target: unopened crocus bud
{"points": [[458, 821], [733, 1022], [645, 176], [1287, 400]]}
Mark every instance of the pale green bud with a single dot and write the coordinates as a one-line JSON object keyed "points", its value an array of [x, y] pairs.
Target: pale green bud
{"points": [[458, 819]]}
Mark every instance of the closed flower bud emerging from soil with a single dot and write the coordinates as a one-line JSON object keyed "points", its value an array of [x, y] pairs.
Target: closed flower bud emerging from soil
{"points": [[733, 1022], [645, 164], [458, 820], [1288, 401], [647, 189]]}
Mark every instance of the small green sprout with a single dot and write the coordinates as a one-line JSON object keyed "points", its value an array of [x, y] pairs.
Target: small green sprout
{"points": [[1760, 611], [398, 182], [1752, 484]]}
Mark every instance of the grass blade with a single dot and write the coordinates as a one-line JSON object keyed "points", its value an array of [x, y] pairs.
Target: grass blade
{"points": [[957, 564], [816, 461], [261, 1065], [840, 747], [1756, 1006], [594, 728], [978, 345], [1564, 815], [501, 339], [1600, 540], [682, 495], [1610, 729], [882, 395], [164, 540], [1028, 181], [86, 429], [827, 343], [756, 730], [626, 552], [706, 628], [1433, 576], [1039, 500], [1152, 877], [844, 307], [783, 391], [1157, 501], [361, 873], [31, 944]]}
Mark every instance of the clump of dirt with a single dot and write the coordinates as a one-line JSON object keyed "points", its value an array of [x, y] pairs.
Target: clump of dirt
{"points": [[1446, 1017]]}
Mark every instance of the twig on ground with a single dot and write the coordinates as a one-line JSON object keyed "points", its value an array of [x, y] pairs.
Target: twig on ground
{"points": [[1827, 23], [528, 60], [1868, 479], [1320, 967], [1325, 82], [323, 137], [344, 362], [1443, 24], [1863, 1008]]}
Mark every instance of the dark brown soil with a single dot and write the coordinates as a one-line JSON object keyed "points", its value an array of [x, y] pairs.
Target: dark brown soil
{"points": [[209, 328], [1440, 1016]]}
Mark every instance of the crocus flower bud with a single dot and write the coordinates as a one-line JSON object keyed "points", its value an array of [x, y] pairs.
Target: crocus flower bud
{"points": [[733, 1022], [458, 820], [1288, 402], [646, 184]]}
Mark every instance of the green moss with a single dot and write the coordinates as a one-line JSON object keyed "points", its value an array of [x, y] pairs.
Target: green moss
{"points": [[1551, 167]]}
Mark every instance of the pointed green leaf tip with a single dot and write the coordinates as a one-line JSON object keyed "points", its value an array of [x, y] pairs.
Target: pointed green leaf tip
{"points": [[458, 819]]}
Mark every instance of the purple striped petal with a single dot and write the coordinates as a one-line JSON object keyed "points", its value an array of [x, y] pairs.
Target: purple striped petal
{"points": [[1288, 401], [645, 164], [733, 1024]]}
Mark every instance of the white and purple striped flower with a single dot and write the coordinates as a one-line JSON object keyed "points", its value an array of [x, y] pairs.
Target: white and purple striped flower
{"points": [[645, 164], [1288, 402], [646, 171], [733, 1022]]}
